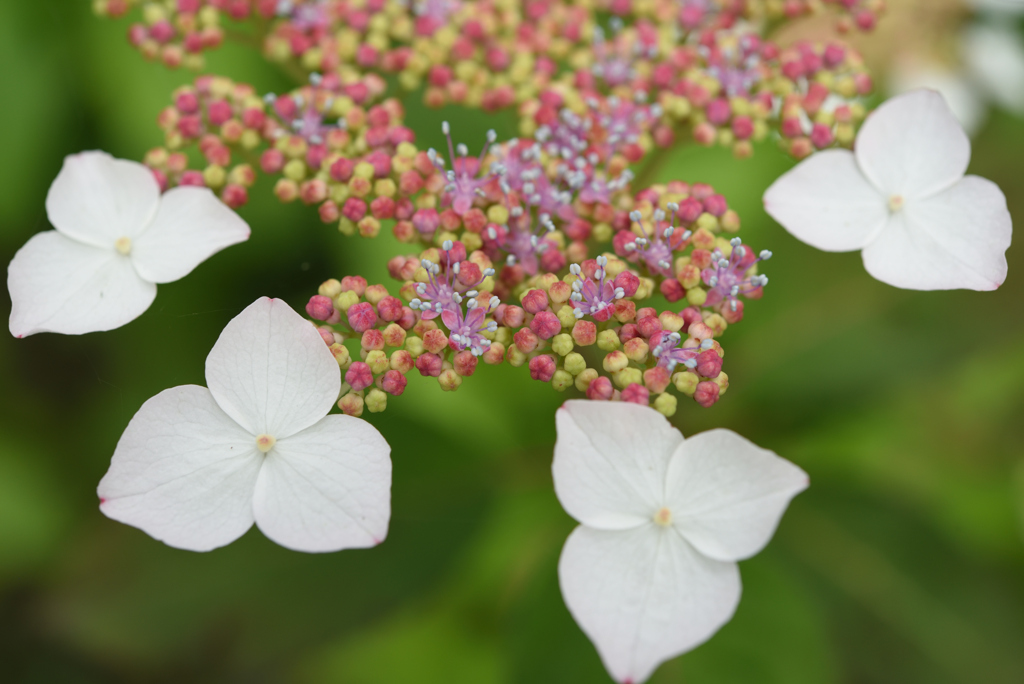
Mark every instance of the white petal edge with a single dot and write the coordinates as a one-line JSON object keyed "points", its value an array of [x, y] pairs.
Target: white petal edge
{"points": [[271, 371], [913, 146], [956, 239], [727, 494], [827, 202], [644, 595], [957, 88], [189, 227], [97, 199], [326, 488], [183, 472], [610, 461], [63, 286]]}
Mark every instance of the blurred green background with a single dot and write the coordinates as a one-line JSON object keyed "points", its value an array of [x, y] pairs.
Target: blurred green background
{"points": [[903, 562]]}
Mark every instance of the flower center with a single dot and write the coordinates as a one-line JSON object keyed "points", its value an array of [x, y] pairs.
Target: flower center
{"points": [[123, 245], [265, 443], [896, 203], [663, 517]]}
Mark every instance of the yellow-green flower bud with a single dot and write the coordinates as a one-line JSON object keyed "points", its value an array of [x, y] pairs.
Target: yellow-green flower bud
{"points": [[449, 380], [615, 361], [376, 400], [584, 379], [666, 404], [562, 344], [378, 361], [627, 376], [346, 299], [561, 380], [414, 345], [574, 363], [686, 382], [607, 340]]}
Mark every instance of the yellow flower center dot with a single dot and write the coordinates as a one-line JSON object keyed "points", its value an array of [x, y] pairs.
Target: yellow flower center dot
{"points": [[265, 443]]}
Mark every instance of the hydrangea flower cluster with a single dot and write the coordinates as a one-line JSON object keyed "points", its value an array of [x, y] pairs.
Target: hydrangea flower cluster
{"points": [[553, 251]]}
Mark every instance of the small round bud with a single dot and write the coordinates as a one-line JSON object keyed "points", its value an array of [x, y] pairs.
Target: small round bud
{"points": [[542, 368], [351, 404], [376, 401], [359, 376], [449, 380], [361, 317]]}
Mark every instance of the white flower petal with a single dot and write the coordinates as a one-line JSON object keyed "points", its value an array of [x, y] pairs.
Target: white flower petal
{"points": [[97, 199], [183, 472], [727, 494], [956, 239], [610, 461], [63, 286], [190, 226], [912, 146], [271, 371], [826, 202], [644, 595], [956, 88], [995, 56], [326, 488]]}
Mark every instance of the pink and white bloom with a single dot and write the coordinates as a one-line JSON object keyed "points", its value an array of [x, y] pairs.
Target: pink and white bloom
{"points": [[196, 466], [116, 238], [903, 199], [651, 571]]}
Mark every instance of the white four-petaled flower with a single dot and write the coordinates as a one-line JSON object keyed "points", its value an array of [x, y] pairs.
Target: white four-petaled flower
{"points": [[651, 571], [903, 199], [116, 238], [196, 466]]}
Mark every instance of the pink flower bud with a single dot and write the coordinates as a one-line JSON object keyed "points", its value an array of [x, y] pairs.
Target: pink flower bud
{"points": [[469, 273], [320, 308], [359, 376], [426, 220], [514, 316], [393, 383], [535, 301], [629, 282], [706, 393], [434, 341], [355, 284], [628, 332], [636, 394], [465, 363], [390, 308], [648, 325], [672, 289], [372, 340], [601, 389], [709, 363], [430, 365], [700, 331], [362, 317], [525, 340], [542, 368], [546, 325], [657, 379], [584, 333], [691, 315], [715, 205]]}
